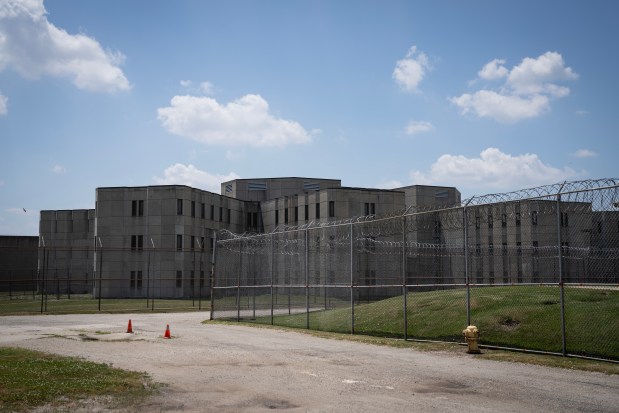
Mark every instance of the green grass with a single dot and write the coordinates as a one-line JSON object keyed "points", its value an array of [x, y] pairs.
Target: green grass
{"points": [[29, 379], [526, 317], [85, 304]]}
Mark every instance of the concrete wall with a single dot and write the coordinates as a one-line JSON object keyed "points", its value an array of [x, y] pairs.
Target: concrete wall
{"points": [[263, 189]]}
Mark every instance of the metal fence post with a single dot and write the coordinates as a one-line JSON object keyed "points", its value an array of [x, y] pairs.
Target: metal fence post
{"points": [[560, 261], [213, 278], [352, 290], [307, 305], [271, 259], [466, 264], [238, 282], [404, 292], [100, 269]]}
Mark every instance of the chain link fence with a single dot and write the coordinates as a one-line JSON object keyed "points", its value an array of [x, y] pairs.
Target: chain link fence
{"points": [[536, 270], [64, 279]]}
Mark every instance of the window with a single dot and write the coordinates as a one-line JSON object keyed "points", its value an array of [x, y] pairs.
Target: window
{"points": [[478, 250], [138, 281], [228, 220], [202, 246], [534, 218], [137, 242], [276, 217], [179, 279], [203, 211], [317, 210], [132, 280], [504, 248], [564, 220], [517, 219], [331, 209], [179, 242], [490, 249], [565, 248], [296, 214], [504, 220], [179, 207], [193, 208], [221, 214], [306, 212], [477, 222], [137, 208], [193, 242], [135, 280], [535, 247], [369, 208], [599, 227], [490, 220], [212, 246], [519, 248], [212, 212], [285, 215]]}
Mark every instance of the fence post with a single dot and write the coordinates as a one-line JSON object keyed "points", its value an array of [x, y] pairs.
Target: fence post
{"points": [[404, 292], [271, 269], [307, 305], [560, 259], [238, 282], [466, 264], [100, 269], [213, 257], [352, 275]]}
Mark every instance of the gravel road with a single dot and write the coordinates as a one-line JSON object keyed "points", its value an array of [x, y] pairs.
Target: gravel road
{"points": [[222, 368]]}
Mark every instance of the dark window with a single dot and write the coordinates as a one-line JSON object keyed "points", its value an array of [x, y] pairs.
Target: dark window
{"points": [[228, 220], [134, 208], [140, 208], [477, 222], [137, 242], [202, 211], [179, 242], [331, 209], [564, 219], [366, 211], [276, 216], [490, 220], [372, 208], [212, 212], [317, 210], [599, 227], [202, 246], [221, 214], [212, 246], [534, 218], [519, 248], [193, 242], [179, 207], [535, 247], [504, 220], [565, 248], [478, 249], [285, 215], [179, 279], [193, 208], [138, 281], [504, 248], [306, 212], [296, 214], [517, 219], [490, 249], [132, 280]]}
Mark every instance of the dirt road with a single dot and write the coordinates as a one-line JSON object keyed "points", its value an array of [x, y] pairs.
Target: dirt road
{"points": [[234, 369]]}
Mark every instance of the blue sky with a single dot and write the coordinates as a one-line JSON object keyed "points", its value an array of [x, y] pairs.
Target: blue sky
{"points": [[487, 96]]}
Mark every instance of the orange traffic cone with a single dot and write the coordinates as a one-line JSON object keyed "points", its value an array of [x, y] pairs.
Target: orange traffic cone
{"points": [[167, 331], [129, 328]]}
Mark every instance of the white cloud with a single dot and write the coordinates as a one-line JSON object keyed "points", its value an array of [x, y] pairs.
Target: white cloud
{"points": [[389, 184], [180, 174], [493, 70], [185, 83], [525, 93], [3, 105], [492, 170], [418, 126], [207, 88], [245, 121], [410, 71], [59, 169], [585, 153], [34, 47]]}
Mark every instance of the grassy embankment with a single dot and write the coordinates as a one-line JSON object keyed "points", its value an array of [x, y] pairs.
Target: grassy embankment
{"points": [[525, 317]]}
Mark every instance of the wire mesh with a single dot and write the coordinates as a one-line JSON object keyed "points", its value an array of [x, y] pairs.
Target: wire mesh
{"points": [[530, 268]]}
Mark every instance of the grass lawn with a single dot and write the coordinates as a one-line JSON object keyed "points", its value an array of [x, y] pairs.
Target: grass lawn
{"points": [[525, 317], [85, 304], [29, 379]]}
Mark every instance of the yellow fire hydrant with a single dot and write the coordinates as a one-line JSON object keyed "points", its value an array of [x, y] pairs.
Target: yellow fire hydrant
{"points": [[471, 335]]}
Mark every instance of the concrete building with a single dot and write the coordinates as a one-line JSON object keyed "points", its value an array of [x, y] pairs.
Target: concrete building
{"points": [[19, 269], [157, 241]]}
